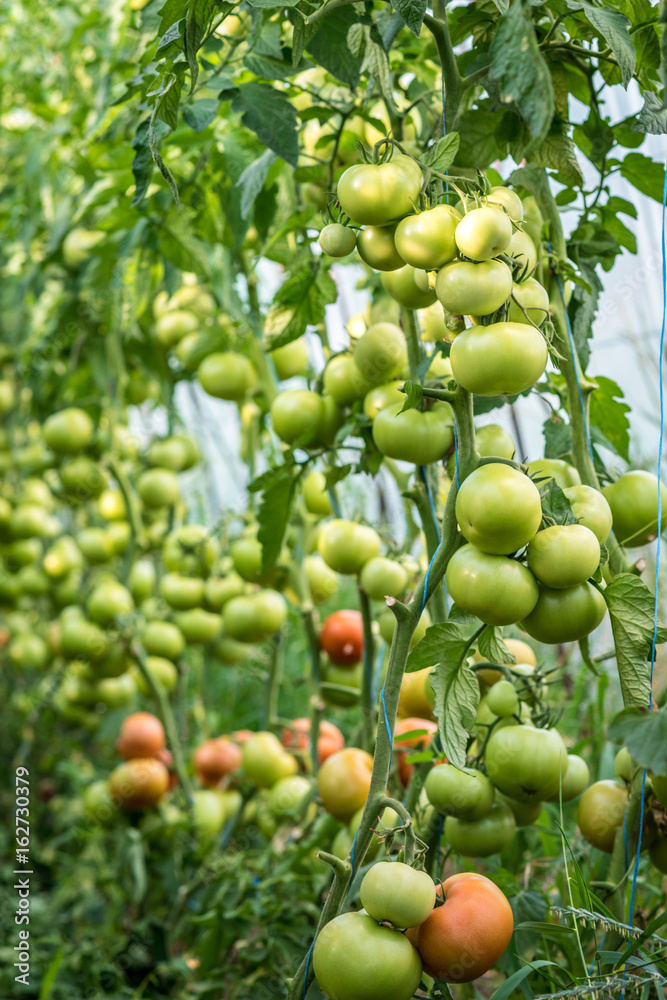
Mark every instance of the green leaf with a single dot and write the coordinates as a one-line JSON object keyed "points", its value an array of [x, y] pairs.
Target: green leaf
{"points": [[613, 26], [456, 699], [170, 12], [594, 137], [200, 114], [519, 72], [269, 114], [645, 174], [299, 302], [558, 153], [274, 512], [515, 980], [376, 65], [477, 141], [502, 5], [330, 49], [644, 733], [609, 414], [652, 118], [336, 474], [413, 395], [197, 22], [412, 12], [557, 437], [142, 164], [50, 974], [252, 180], [429, 650], [528, 906], [442, 153], [491, 646], [555, 505], [631, 610]]}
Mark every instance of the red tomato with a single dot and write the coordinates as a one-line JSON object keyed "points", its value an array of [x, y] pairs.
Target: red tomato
{"points": [[342, 637], [329, 740], [460, 940], [141, 735], [214, 760]]}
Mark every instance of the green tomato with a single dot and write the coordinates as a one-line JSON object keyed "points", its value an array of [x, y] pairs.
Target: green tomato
{"points": [[633, 500], [108, 601], [393, 891], [508, 200], [220, 589], [525, 763], [472, 289], [493, 441], [466, 794], [355, 958], [346, 546], [600, 813], [159, 488], [246, 555], [402, 286], [377, 194], [427, 240], [563, 555], [163, 639], [82, 479], [33, 581], [502, 699], [190, 549], [554, 468], [265, 760], [577, 777], [287, 796], [376, 248], [522, 249], [525, 813], [659, 783], [341, 686], [163, 672], [383, 395], [68, 431], [343, 380], [322, 581], [534, 299], [498, 590], [591, 509], [198, 625], [381, 353], [229, 651], [437, 324], [484, 233], [80, 638], [25, 551], [182, 592], [296, 415], [342, 844], [479, 838], [291, 359], [499, 359], [111, 505], [623, 765], [315, 495], [415, 436], [28, 651], [96, 544], [565, 615], [382, 577], [254, 618], [498, 509], [172, 327], [227, 375], [208, 813], [440, 367], [337, 240], [331, 420]]}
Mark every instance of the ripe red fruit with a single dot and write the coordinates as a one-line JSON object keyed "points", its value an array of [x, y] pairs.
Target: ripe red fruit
{"points": [[214, 760], [342, 637], [141, 735]]}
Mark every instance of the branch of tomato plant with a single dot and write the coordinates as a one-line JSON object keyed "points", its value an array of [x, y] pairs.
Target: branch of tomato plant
{"points": [[454, 86], [273, 684], [409, 830], [166, 717], [368, 718]]}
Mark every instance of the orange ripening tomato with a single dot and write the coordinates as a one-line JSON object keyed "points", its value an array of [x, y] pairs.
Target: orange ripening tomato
{"points": [[214, 759], [329, 740], [342, 637], [460, 940], [141, 735], [403, 747]]}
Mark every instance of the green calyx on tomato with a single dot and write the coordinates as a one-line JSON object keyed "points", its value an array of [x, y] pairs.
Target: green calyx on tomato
{"points": [[377, 194], [499, 359], [415, 436]]}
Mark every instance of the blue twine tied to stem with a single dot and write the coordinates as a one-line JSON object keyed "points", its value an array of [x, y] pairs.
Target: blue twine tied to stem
{"points": [[305, 975], [657, 554], [334, 503]]}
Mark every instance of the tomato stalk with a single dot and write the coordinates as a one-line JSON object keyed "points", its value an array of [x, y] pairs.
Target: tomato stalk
{"points": [[367, 707]]}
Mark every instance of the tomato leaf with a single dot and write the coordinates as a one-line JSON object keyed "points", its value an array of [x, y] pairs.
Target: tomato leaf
{"points": [[609, 415], [645, 174], [412, 12], [612, 26], [274, 512], [519, 76], [441, 638], [556, 508], [200, 114], [456, 699], [269, 114], [491, 646], [299, 302], [413, 395], [631, 610], [644, 734], [253, 179], [652, 118], [442, 154], [330, 48]]}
